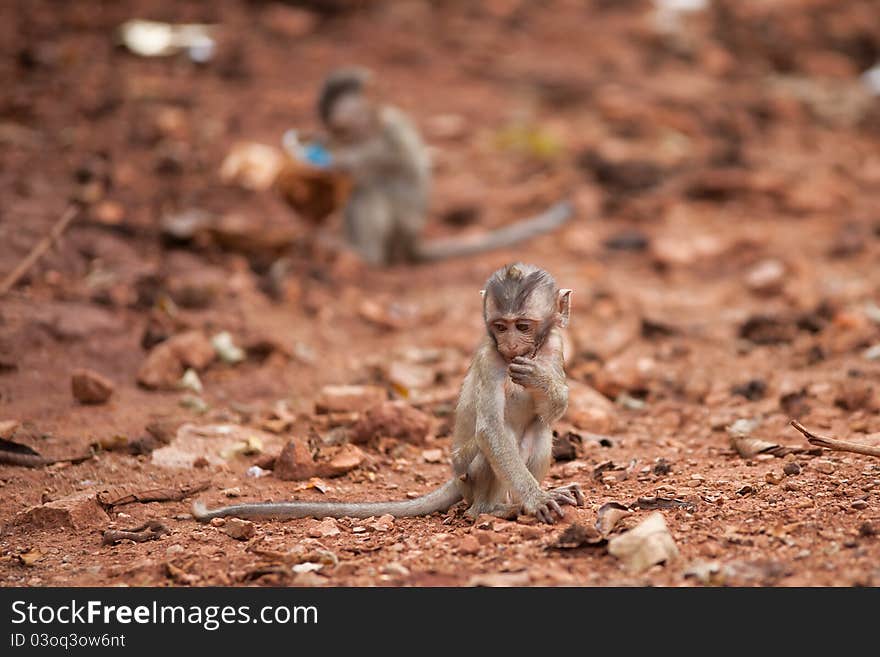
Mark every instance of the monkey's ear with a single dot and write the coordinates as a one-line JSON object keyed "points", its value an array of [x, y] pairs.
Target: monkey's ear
{"points": [[482, 294], [563, 307]]}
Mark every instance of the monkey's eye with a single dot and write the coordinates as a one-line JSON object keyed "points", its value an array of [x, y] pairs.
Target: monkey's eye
{"points": [[523, 327], [500, 327]]}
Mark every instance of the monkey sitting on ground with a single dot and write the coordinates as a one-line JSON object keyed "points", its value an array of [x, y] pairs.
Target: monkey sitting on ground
{"points": [[514, 390], [381, 151]]}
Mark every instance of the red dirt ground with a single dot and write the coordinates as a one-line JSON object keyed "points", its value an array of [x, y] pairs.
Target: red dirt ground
{"points": [[745, 138]]}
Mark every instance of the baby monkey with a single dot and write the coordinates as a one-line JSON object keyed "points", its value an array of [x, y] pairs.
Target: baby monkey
{"points": [[514, 390], [383, 154]]}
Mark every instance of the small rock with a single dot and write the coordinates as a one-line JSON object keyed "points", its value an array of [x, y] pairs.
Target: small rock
{"points": [[194, 403], [165, 364], [235, 491], [823, 466], [349, 399], [791, 469], [791, 486], [531, 532], [345, 459], [766, 277], [859, 504], [295, 463], [218, 522], [191, 381], [773, 477], [406, 377], [226, 349], [174, 550], [872, 353], [589, 410], [76, 512], [89, 387], [393, 420], [468, 545], [395, 568], [432, 455], [662, 467], [324, 529], [193, 349], [384, 523], [240, 530], [522, 578]]}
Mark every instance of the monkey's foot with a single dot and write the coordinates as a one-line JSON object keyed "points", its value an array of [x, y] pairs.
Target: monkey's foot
{"points": [[569, 494]]}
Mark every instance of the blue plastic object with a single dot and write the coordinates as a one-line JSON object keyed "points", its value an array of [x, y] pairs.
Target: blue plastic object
{"points": [[317, 155]]}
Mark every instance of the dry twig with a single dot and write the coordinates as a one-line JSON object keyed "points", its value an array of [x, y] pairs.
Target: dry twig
{"points": [[835, 445], [38, 251], [149, 531]]}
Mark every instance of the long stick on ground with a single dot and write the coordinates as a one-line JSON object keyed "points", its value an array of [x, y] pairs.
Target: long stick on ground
{"points": [[836, 445], [38, 251]]}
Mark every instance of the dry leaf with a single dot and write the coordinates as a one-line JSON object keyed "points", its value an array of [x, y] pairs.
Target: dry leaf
{"points": [[609, 515], [649, 543], [8, 427], [577, 535], [30, 557], [651, 503]]}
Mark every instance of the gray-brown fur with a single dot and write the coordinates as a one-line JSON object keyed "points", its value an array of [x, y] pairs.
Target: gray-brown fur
{"points": [[383, 153], [513, 391]]}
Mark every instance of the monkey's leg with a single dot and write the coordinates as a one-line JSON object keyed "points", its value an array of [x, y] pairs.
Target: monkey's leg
{"points": [[536, 447], [369, 224], [487, 493]]}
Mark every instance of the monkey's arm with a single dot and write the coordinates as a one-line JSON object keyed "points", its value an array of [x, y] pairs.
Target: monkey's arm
{"points": [[498, 445], [367, 155], [546, 380]]}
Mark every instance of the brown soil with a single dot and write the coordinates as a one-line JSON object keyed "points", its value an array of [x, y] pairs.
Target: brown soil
{"points": [[746, 137]]}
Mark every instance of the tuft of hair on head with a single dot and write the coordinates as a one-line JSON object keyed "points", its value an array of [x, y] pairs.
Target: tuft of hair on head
{"points": [[512, 285], [339, 83]]}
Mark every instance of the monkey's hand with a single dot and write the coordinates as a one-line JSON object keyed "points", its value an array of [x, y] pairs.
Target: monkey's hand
{"points": [[528, 373], [544, 505], [570, 494]]}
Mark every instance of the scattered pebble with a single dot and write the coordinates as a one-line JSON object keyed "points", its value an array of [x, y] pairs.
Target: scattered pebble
{"points": [[859, 505], [791, 469], [774, 477], [468, 545], [240, 530], [432, 455], [191, 381], [226, 348], [823, 466], [89, 387]]}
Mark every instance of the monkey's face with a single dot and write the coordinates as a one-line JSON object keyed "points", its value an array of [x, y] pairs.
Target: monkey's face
{"points": [[514, 336], [352, 117]]}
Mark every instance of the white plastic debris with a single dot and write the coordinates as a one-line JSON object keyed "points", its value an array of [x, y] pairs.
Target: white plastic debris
{"points": [[668, 13], [256, 472], [251, 166], [191, 381], [871, 80], [226, 349], [156, 39]]}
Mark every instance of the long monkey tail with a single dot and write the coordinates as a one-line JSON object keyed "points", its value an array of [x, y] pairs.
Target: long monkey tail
{"points": [[452, 247], [438, 500]]}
